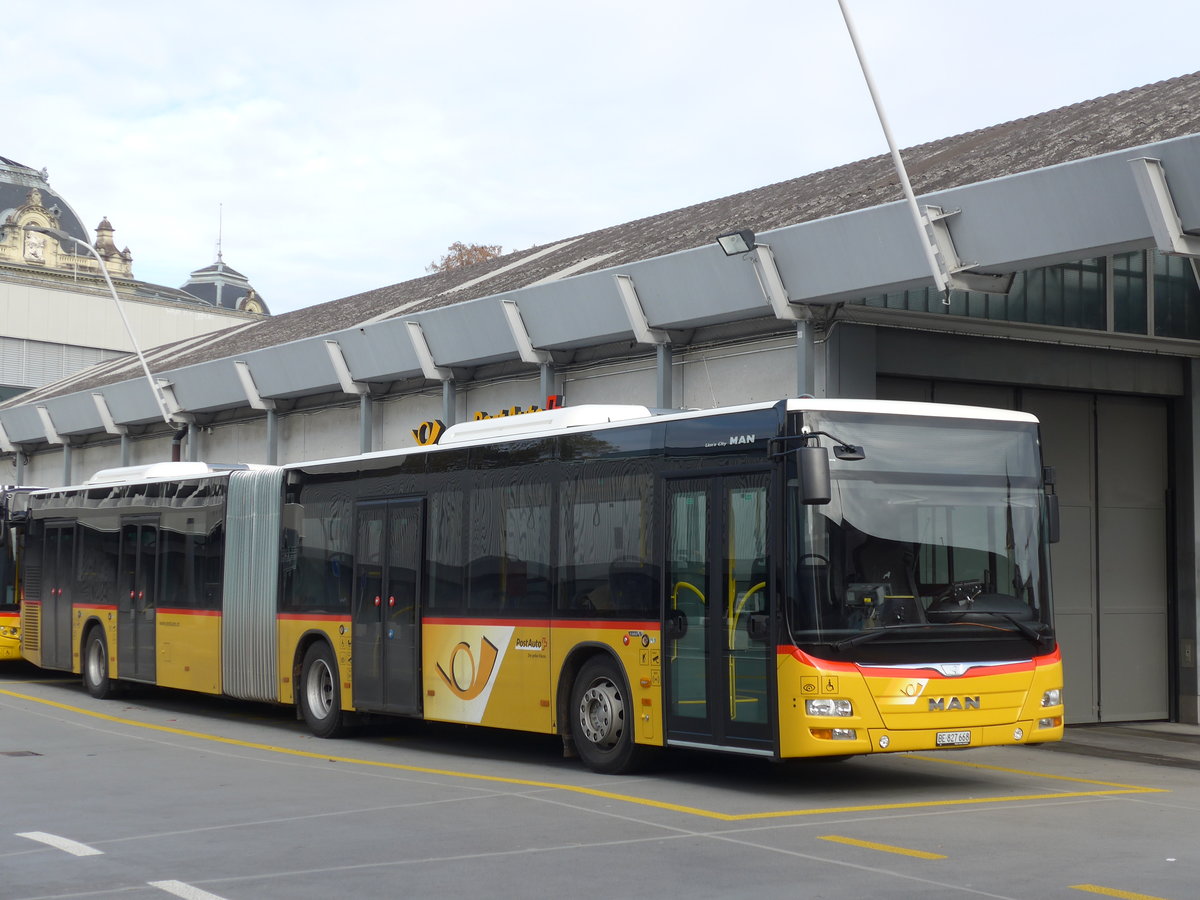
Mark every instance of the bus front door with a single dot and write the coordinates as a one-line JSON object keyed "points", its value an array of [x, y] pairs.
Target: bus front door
{"points": [[136, 600], [717, 630], [387, 576]]}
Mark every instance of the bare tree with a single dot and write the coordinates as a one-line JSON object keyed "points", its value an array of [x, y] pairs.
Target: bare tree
{"points": [[459, 254]]}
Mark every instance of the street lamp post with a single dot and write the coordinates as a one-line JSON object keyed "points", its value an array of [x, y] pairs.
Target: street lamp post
{"points": [[62, 237]]}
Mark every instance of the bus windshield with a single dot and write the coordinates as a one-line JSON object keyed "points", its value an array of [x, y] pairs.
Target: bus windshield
{"points": [[934, 536]]}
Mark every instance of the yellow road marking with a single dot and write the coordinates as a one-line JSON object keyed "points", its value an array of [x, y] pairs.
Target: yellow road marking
{"points": [[886, 848], [1114, 789], [974, 765], [1113, 892]]}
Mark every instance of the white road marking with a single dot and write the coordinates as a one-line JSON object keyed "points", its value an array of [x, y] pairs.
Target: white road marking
{"points": [[186, 891], [73, 847]]}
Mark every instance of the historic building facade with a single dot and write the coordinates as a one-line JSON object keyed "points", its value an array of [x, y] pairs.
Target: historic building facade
{"points": [[56, 312]]}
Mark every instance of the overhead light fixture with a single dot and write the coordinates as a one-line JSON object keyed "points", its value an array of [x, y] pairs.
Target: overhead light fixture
{"points": [[735, 242], [743, 243]]}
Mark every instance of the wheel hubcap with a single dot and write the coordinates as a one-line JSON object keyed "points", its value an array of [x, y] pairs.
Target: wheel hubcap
{"points": [[602, 714], [320, 689], [95, 662]]}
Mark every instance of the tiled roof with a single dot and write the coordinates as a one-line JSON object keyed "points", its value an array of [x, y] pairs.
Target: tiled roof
{"points": [[1129, 118]]}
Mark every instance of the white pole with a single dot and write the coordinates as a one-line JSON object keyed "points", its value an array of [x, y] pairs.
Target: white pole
{"points": [[63, 236], [939, 276]]}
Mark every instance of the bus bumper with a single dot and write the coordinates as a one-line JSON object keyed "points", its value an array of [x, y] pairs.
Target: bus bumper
{"points": [[10, 643], [891, 740]]}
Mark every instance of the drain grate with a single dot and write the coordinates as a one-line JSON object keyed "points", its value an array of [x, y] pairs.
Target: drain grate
{"points": [[18, 753]]}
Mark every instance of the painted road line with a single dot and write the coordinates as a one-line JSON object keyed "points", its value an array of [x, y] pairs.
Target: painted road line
{"points": [[990, 768], [1113, 892], [61, 843], [1110, 788], [885, 848], [184, 890]]}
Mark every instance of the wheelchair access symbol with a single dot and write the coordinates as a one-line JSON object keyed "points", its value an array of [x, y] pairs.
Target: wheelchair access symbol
{"points": [[811, 685]]}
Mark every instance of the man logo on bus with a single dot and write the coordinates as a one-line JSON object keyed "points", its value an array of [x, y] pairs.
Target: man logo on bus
{"points": [[466, 679], [940, 704]]}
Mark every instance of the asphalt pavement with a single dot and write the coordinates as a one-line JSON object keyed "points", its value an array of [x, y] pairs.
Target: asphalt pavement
{"points": [[160, 792]]}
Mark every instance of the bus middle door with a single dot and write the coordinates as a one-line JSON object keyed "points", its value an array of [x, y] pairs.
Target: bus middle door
{"points": [[57, 581], [387, 576], [136, 600]]}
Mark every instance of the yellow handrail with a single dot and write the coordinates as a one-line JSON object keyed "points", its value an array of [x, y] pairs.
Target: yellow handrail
{"points": [[735, 614], [675, 605], [691, 587]]}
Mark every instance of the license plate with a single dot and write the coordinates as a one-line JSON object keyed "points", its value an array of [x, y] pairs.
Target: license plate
{"points": [[953, 738]]}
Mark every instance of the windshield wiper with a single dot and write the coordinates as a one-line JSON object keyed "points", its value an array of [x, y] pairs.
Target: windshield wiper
{"points": [[1034, 634], [864, 637]]}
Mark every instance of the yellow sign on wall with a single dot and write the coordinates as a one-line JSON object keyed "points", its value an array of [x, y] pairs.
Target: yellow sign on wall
{"points": [[428, 433]]}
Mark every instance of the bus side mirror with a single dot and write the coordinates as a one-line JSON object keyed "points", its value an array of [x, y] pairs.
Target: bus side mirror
{"points": [[1053, 520], [812, 463], [1053, 526]]}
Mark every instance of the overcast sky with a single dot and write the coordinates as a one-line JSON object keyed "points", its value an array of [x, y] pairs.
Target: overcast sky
{"points": [[349, 144]]}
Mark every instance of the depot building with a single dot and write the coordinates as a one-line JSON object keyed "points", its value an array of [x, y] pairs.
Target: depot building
{"points": [[1069, 242]]}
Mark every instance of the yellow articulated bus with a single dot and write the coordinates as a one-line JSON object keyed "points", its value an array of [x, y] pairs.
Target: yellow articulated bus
{"points": [[793, 579]]}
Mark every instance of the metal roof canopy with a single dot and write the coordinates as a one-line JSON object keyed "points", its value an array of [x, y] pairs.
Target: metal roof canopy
{"points": [[1076, 210]]}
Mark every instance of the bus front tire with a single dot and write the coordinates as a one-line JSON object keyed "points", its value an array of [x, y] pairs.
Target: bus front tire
{"points": [[320, 696], [602, 719], [95, 665]]}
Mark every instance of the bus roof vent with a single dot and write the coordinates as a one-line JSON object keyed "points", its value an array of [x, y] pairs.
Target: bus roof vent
{"points": [[547, 421]]}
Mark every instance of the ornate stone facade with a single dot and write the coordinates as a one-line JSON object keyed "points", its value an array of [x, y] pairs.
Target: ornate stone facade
{"points": [[56, 310], [29, 248]]}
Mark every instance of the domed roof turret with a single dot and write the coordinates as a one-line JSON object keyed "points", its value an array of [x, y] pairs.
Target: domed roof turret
{"points": [[18, 181], [220, 284]]}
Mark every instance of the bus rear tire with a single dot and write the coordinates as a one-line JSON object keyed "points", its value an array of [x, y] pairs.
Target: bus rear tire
{"points": [[601, 713], [320, 696], [95, 665]]}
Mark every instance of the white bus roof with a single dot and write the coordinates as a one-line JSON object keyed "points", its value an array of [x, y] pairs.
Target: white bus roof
{"points": [[550, 422], [911, 408], [161, 471], [546, 420]]}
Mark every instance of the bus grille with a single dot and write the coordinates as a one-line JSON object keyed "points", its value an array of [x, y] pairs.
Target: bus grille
{"points": [[31, 626]]}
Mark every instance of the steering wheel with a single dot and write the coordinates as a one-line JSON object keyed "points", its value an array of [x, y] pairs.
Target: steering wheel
{"points": [[960, 592]]}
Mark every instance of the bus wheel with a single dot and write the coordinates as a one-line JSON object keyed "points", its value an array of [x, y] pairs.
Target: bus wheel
{"points": [[320, 698], [602, 719], [95, 665]]}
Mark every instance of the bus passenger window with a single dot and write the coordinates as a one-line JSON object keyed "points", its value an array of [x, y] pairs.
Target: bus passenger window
{"points": [[510, 539], [606, 546]]}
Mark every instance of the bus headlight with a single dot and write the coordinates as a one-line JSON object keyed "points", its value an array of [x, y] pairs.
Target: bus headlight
{"points": [[826, 706], [1052, 697]]}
